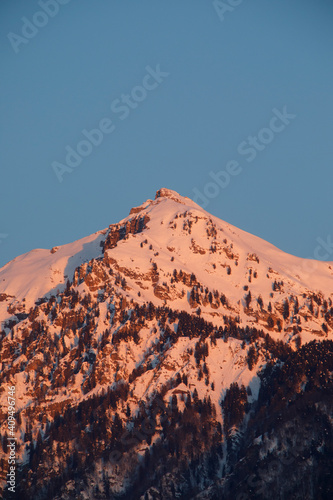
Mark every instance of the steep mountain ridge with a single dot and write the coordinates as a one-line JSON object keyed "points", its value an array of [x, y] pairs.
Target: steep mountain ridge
{"points": [[170, 305], [42, 273]]}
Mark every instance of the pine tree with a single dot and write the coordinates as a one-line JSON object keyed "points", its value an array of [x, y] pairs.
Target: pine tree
{"points": [[248, 299], [286, 309]]}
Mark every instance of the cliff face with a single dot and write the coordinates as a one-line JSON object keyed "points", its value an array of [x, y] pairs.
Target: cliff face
{"points": [[119, 232], [167, 356]]}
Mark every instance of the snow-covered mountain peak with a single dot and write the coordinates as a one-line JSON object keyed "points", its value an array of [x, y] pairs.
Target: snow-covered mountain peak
{"points": [[170, 233], [169, 312]]}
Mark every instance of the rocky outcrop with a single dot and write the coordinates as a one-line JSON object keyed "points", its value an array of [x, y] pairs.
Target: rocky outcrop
{"points": [[168, 193], [119, 232]]}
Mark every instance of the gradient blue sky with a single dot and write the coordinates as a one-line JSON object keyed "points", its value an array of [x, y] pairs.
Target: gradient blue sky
{"points": [[225, 79]]}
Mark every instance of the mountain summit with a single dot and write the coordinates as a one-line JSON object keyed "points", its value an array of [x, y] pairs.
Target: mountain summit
{"points": [[164, 355], [170, 232]]}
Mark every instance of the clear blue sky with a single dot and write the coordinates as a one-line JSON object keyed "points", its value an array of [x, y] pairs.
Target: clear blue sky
{"points": [[225, 78]]}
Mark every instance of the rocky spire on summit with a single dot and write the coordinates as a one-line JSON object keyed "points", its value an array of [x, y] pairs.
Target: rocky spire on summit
{"points": [[168, 193]]}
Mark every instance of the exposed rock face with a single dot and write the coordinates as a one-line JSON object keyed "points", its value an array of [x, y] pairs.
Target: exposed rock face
{"points": [[4, 296], [119, 232], [138, 209], [162, 292], [168, 193]]}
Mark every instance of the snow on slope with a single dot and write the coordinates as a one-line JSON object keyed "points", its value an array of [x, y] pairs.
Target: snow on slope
{"points": [[42, 272], [179, 235], [308, 274], [177, 228]]}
